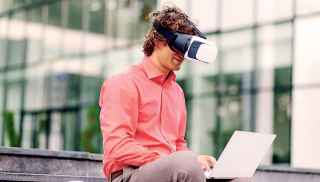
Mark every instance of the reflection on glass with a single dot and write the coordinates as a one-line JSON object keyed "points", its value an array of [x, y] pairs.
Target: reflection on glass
{"points": [[53, 31], [13, 108], [34, 36], [274, 47], [69, 129], [17, 41], [310, 6], [4, 5], [97, 16], [282, 115], [35, 15], [54, 13], [92, 78], [205, 14], [236, 52], [35, 83], [91, 137], [3, 41], [307, 51], [75, 14], [274, 10], [233, 16], [202, 123]]}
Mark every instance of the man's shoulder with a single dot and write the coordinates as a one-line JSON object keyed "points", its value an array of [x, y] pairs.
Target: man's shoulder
{"points": [[125, 78], [178, 87]]}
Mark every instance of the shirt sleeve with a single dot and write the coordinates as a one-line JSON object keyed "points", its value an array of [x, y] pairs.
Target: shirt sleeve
{"points": [[118, 120], [181, 143]]}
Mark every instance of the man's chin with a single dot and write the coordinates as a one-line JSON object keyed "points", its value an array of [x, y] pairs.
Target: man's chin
{"points": [[177, 61], [176, 68]]}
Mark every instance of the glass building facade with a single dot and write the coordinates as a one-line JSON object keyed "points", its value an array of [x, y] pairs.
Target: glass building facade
{"points": [[55, 54]]}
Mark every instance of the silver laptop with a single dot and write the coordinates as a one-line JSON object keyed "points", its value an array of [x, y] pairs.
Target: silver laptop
{"points": [[241, 156]]}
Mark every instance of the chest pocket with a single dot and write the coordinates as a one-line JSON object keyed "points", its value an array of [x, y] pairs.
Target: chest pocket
{"points": [[148, 110]]}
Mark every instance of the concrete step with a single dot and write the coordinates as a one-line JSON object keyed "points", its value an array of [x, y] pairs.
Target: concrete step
{"points": [[17, 164], [7, 176]]}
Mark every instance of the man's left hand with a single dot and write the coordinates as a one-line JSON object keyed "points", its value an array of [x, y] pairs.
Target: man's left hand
{"points": [[207, 162]]}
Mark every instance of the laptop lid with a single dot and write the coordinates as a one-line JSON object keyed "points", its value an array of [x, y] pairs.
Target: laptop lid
{"points": [[242, 155]]}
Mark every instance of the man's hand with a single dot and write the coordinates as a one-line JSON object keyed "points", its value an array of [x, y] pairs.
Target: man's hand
{"points": [[207, 162]]}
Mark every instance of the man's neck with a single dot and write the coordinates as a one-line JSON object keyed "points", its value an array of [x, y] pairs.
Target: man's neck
{"points": [[156, 62]]}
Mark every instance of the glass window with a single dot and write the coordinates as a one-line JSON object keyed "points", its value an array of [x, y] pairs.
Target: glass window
{"points": [[94, 26], [236, 52], [233, 86], [141, 27], [17, 41], [202, 123], [75, 14], [56, 135], [92, 78], [53, 31], [282, 115], [123, 61], [4, 5], [13, 108], [274, 10], [1, 105], [69, 130], [35, 30], [274, 51], [91, 132], [54, 13], [274, 63], [3, 40], [73, 37], [36, 83], [123, 24], [236, 13], [307, 55], [35, 14], [305, 119], [205, 14], [64, 76], [97, 16], [310, 6]]}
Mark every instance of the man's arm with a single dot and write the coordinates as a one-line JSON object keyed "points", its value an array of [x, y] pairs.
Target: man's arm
{"points": [[118, 120]]}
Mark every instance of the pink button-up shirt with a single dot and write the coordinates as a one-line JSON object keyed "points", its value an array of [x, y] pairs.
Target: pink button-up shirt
{"points": [[142, 117]]}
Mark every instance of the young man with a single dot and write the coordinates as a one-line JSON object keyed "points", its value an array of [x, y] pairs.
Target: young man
{"points": [[143, 114]]}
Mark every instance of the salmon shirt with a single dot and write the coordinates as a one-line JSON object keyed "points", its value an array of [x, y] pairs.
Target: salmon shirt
{"points": [[142, 117]]}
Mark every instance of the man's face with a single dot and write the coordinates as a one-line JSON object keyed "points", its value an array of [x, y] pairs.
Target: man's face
{"points": [[169, 59]]}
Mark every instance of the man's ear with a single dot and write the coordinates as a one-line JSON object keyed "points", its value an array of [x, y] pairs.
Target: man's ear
{"points": [[160, 44]]}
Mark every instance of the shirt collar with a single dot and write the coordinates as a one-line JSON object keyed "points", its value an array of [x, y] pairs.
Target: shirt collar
{"points": [[153, 72]]}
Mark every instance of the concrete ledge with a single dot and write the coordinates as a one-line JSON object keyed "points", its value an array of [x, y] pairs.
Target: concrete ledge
{"points": [[50, 154], [284, 174], [6, 176], [17, 164]]}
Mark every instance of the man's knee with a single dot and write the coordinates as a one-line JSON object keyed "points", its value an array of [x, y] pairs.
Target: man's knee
{"points": [[186, 161], [179, 166]]}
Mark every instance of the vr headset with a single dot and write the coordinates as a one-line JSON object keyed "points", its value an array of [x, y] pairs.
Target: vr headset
{"points": [[194, 48]]}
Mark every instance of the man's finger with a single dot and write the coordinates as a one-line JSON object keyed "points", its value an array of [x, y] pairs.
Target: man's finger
{"points": [[211, 161]]}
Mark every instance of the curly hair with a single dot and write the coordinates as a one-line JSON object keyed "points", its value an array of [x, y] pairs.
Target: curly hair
{"points": [[171, 18]]}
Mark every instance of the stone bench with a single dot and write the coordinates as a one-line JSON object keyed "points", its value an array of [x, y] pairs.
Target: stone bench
{"points": [[18, 164]]}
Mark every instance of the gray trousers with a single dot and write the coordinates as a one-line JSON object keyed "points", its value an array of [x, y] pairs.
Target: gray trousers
{"points": [[182, 166]]}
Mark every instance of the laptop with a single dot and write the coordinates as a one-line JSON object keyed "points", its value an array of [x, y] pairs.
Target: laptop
{"points": [[241, 156]]}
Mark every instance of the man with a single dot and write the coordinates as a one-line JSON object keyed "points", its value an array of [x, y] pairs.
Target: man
{"points": [[143, 114]]}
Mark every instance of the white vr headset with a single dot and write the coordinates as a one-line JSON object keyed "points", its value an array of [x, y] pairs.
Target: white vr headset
{"points": [[194, 48]]}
